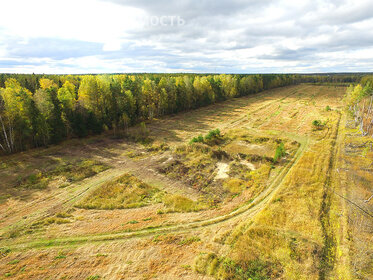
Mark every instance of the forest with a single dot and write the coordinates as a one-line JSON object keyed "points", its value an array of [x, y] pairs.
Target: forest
{"points": [[39, 110]]}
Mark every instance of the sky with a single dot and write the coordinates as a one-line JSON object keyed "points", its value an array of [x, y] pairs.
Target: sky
{"points": [[199, 36]]}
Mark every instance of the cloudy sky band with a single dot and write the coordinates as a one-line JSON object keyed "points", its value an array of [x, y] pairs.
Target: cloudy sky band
{"points": [[235, 36]]}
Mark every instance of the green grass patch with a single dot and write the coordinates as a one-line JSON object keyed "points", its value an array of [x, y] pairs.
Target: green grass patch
{"points": [[93, 277], [189, 240], [280, 152], [60, 256]]}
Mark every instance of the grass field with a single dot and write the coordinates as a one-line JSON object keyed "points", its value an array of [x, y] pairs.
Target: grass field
{"points": [[218, 207]]}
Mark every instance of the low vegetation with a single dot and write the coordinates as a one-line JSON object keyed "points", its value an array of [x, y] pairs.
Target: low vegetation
{"points": [[178, 203], [221, 165], [280, 152], [67, 172], [211, 138], [225, 268], [317, 124], [124, 192], [130, 192]]}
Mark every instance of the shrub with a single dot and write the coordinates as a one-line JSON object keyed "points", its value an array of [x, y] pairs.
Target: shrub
{"points": [[211, 135], [317, 124], [198, 139]]}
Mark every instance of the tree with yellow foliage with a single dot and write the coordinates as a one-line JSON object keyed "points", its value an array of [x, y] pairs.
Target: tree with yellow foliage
{"points": [[14, 114]]}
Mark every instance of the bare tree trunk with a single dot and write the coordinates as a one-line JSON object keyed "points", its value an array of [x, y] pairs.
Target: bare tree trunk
{"points": [[5, 135], [11, 135]]}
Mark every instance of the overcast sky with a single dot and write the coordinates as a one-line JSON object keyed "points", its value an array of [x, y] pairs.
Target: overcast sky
{"points": [[222, 36]]}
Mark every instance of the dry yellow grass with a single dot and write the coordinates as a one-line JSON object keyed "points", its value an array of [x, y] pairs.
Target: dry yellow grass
{"points": [[296, 232]]}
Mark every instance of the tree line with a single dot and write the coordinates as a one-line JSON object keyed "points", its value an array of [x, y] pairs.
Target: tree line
{"points": [[359, 103], [38, 110]]}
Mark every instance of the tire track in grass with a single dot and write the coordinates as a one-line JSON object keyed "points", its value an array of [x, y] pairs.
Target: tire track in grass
{"points": [[328, 253]]}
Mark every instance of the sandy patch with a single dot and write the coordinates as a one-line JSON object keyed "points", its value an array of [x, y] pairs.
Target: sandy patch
{"points": [[222, 170]]}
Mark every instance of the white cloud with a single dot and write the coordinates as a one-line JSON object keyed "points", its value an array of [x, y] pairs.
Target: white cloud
{"points": [[80, 36], [112, 46], [88, 20]]}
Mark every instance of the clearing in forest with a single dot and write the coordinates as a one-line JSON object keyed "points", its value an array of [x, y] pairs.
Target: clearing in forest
{"points": [[233, 190]]}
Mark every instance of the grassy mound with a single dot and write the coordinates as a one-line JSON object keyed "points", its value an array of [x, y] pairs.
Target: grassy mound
{"points": [[125, 192]]}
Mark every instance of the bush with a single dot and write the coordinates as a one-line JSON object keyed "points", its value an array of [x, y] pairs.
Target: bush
{"points": [[211, 135], [198, 139], [317, 124], [327, 108]]}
